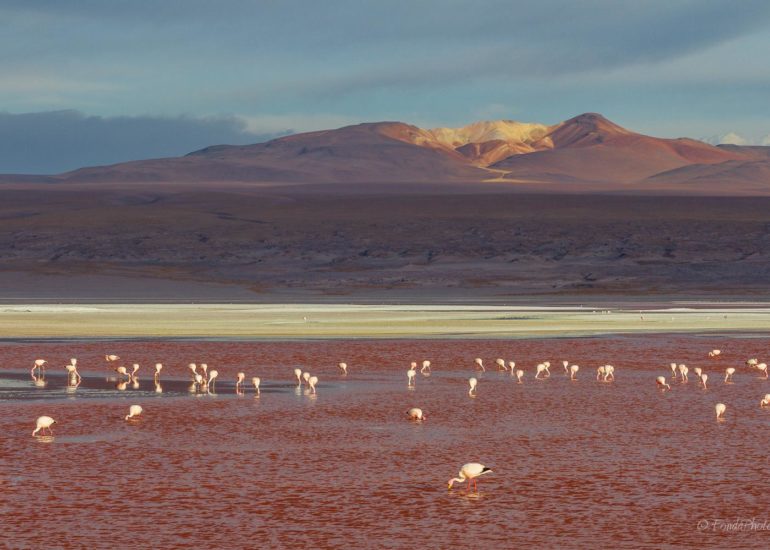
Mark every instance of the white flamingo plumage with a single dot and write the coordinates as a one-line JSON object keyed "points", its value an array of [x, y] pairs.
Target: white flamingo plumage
{"points": [[472, 383], [715, 353], [469, 472], [212, 378], [425, 367], [256, 381], [539, 370], [123, 372], [410, 374], [480, 363], [729, 371], [720, 410], [673, 370], [312, 381], [343, 367], [573, 370], [511, 366], [661, 382], [298, 374], [765, 400], [39, 364], [519, 375], [73, 376], [111, 358], [306, 377], [44, 423], [703, 378], [158, 368], [239, 380], [683, 370], [600, 372], [500, 364], [136, 368], [547, 365], [565, 364], [134, 410], [762, 367], [698, 371]]}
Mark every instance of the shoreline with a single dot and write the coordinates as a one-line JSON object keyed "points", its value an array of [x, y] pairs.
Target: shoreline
{"points": [[38, 322]]}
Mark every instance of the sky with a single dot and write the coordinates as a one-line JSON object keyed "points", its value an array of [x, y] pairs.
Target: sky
{"points": [[96, 82]]}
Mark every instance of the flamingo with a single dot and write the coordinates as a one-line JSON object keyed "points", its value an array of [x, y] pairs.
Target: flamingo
{"points": [[425, 367], [661, 382], [472, 382], [134, 410], [500, 364], [540, 368], [547, 365], [133, 372], [193, 370], [609, 372], [762, 367], [765, 401], [415, 414], [703, 378], [573, 371], [255, 380], [698, 371], [343, 367], [73, 376], [673, 370], [239, 381], [198, 381], [298, 374], [312, 382], [519, 375], [44, 423], [715, 353], [480, 364], [39, 365], [111, 358], [469, 472], [123, 372], [212, 378], [158, 387], [565, 364], [410, 374], [729, 371], [205, 369], [720, 410], [511, 365], [600, 372], [683, 370], [158, 368], [306, 377], [752, 362]]}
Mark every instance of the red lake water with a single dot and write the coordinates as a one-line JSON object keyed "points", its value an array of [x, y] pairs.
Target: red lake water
{"points": [[576, 464]]}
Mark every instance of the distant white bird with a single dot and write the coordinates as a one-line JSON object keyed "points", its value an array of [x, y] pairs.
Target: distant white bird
{"points": [[306, 377], [193, 370], [343, 367], [298, 374], [44, 423], [425, 367], [212, 378], [134, 410], [547, 365], [39, 364], [762, 367], [698, 371], [729, 371], [519, 375], [136, 368], [539, 369], [158, 368], [500, 364], [565, 364], [312, 382], [73, 376], [703, 378], [111, 358], [469, 472], [715, 353], [600, 372], [661, 382], [205, 369], [511, 366], [609, 372], [410, 374], [752, 362], [472, 382], [239, 381], [765, 400], [255, 380], [720, 410], [573, 371], [673, 370], [683, 370], [415, 414], [480, 363]]}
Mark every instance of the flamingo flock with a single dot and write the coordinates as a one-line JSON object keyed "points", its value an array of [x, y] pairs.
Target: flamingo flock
{"points": [[203, 380]]}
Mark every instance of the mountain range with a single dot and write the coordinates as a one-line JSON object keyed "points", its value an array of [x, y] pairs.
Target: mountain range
{"points": [[584, 152]]}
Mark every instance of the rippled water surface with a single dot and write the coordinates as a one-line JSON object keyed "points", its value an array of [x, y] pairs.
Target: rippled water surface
{"points": [[576, 464]]}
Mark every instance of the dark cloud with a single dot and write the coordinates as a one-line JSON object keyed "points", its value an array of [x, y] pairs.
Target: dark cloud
{"points": [[58, 141]]}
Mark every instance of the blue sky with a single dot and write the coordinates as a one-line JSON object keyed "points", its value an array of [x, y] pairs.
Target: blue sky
{"points": [[94, 81]]}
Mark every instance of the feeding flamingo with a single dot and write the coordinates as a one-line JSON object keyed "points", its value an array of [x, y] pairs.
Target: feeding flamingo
{"points": [[44, 423], [298, 374], [158, 368], [703, 378], [134, 410], [729, 371], [472, 383], [720, 410], [255, 380], [111, 358], [410, 374], [415, 414], [212, 378], [312, 382], [500, 364], [480, 364], [519, 375], [239, 381], [39, 365], [573, 370], [661, 382], [540, 368], [765, 401], [343, 367], [425, 367], [469, 472]]}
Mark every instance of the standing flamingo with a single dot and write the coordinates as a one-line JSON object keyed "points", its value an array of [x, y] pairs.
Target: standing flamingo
{"points": [[343, 367], [519, 375], [193, 370], [698, 371], [480, 364], [39, 365], [573, 371], [306, 377], [298, 374], [212, 378], [765, 401], [410, 374], [73, 376], [133, 372], [600, 372], [425, 367], [134, 410], [123, 372], [469, 472], [44, 423], [312, 382], [500, 364], [762, 367], [472, 383], [729, 371], [565, 364], [609, 373], [239, 381], [540, 368], [720, 410], [661, 382], [511, 366], [673, 370], [703, 378], [255, 380], [205, 369], [158, 368], [683, 370], [547, 365]]}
